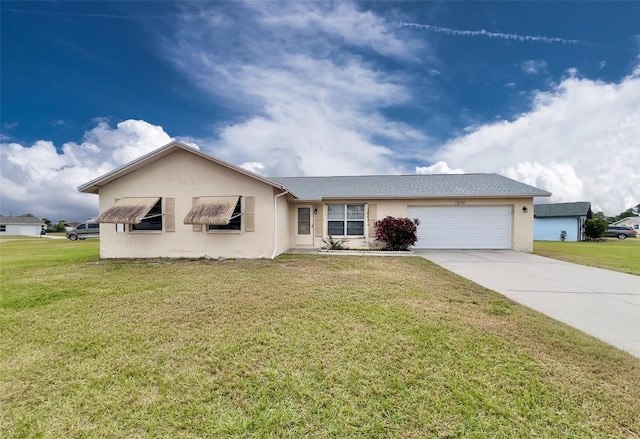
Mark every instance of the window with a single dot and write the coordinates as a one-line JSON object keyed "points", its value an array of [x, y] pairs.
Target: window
{"points": [[235, 222], [3, 228], [94, 225], [153, 220], [347, 218]]}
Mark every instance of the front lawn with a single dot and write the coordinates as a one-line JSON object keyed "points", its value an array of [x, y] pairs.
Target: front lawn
{"points": [[303, 346], [612, 254]]}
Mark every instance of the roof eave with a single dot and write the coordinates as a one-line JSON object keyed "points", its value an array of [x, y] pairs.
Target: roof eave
{"points": [[420, 197], [93, 186]]}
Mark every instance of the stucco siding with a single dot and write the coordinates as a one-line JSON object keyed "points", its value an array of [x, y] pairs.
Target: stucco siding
{"points": [[183, 176], [521, 227], [548, 229], [629, 222]]}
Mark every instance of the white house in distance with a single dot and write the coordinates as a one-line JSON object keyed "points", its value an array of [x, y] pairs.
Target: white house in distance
{"points": [[551, 219], [180, 202], [630, 221], [21, 225]]}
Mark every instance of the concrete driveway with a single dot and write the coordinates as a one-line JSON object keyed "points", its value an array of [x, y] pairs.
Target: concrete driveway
{"points": [[602, 303]]}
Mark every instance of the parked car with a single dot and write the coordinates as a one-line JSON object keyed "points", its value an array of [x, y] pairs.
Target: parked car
{"points": [[88, 229], [620, 232]]}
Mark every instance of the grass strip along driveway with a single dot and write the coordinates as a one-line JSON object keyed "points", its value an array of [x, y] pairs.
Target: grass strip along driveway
{"points": [[610, 254], [303, 346]]}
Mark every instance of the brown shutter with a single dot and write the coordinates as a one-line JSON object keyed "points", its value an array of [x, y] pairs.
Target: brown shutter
{"points": [[196, 227], [169, 214], [249, 214], [318, 221], [373, 214]]}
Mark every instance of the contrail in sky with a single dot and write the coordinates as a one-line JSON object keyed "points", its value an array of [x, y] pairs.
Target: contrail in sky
{"points": [[485, 33]]}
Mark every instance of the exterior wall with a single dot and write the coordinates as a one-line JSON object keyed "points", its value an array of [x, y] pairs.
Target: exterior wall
{"points": [[284, 224], [182, 176], [22, 229], [548, 229], [629, 222], [522, 226]]}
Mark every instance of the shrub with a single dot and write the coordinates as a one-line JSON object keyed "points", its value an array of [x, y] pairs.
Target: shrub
{"points": [[594, 228], [563, 235], [397, 233]]}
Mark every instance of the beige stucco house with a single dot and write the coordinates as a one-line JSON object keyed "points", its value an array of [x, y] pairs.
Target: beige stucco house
{"points": [[179, 202]]}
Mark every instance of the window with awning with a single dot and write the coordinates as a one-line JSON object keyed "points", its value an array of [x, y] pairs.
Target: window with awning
{"points": [[132, 211], [214, 211]]}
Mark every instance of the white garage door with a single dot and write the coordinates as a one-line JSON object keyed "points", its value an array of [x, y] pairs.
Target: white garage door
{"points": [[463, 227]]}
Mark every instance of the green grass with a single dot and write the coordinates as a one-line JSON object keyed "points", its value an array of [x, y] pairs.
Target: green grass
{"points": [[303, 346], [612, 254]]}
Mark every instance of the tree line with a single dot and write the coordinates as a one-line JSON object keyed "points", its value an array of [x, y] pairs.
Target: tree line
{"points": [[632, 211]]}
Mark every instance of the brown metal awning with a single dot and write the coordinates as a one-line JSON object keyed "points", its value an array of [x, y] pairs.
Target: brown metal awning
{"points": [[128, 211], [215, 211]]}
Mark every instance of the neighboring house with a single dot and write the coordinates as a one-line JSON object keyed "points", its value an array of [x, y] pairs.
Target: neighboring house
{"points": [[631, 221], [551, 219], [21, 225], [179, 202]]}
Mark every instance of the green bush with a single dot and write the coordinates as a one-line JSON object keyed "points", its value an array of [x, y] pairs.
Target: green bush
{"points": [[398, 234], [594, 228]]}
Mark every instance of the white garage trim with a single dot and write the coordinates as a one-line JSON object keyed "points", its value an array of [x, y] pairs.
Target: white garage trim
{"points": [[463, 227]]}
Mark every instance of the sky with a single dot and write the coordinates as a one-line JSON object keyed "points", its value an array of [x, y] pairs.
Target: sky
{"points": [[547, 93]]}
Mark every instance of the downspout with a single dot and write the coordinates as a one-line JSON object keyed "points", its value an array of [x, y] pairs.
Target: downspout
{"points": [[275, 222]]}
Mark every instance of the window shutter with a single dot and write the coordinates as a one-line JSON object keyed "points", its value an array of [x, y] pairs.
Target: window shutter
{"points": [[169, 215], [373, 214], [249, 214], [196, 227], [319, 221]]}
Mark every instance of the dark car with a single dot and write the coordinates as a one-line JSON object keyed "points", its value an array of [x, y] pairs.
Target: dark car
{"points": [[620, 232], [88, 229]]}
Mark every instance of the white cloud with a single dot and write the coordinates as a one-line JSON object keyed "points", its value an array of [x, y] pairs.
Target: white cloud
{"points": [[38, 179], [437, 168], [534, 66], [488, 34], [558, 178], [317, 107], [343, 20], [255, 167], [580, 141]]}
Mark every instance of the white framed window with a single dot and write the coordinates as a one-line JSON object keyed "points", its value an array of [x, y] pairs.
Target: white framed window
{"points": [[345, 219]]}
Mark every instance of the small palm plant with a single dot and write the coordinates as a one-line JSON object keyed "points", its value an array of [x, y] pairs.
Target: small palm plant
{"points": [[330, 243]]}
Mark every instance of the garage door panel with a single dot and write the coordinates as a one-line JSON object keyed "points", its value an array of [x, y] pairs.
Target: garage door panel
{"points": [[463, 227]]}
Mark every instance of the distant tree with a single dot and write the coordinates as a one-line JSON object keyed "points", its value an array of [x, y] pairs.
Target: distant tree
{"points": [[47, 222], [632, 211], [600, 216], [594, 228], [59, 227]]}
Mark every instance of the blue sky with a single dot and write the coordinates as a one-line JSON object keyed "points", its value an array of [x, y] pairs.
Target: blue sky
{"points": [[544, 92]]}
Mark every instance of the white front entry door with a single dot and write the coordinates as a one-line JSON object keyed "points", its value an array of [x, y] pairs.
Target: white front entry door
{"points": [[304, 225]]}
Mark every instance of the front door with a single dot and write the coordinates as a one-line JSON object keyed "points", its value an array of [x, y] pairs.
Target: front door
{"points": [[304, 227]]}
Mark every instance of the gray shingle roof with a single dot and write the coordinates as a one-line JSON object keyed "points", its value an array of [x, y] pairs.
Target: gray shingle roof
{"points": [[23, 219], [408, 186], [580, 208]]}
